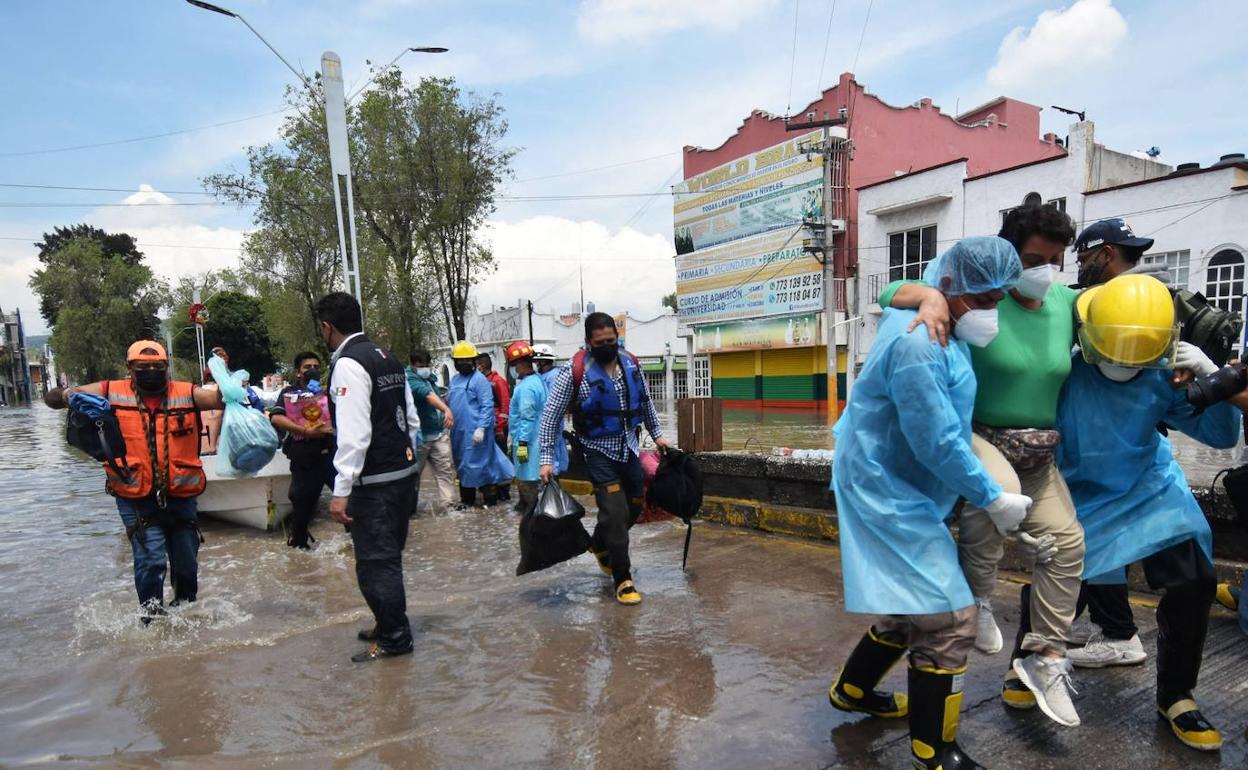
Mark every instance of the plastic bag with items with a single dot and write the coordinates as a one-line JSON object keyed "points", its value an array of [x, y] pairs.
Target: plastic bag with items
{"points": [[247, 442], [551, 531]]}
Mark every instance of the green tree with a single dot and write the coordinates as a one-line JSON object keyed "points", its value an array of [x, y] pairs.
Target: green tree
{"points": [[237, 323], [106, 302], [118, 245], [669, 300]]}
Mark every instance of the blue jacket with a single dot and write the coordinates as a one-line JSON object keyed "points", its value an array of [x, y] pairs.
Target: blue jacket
{"points": [[472, 403], [527, 402], [1129, 492], [903, 457]]}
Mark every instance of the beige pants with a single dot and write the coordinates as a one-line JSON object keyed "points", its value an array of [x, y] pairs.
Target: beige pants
{"points": [[1055, 585], [435, 457], [942, 640]]}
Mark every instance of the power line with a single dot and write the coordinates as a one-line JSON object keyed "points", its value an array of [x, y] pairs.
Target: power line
{"points": [[827, 40], [863, 36], [797, 7], [148, 137]]}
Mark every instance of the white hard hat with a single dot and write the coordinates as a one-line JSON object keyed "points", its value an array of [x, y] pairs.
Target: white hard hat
{"points": [[543, 353]]}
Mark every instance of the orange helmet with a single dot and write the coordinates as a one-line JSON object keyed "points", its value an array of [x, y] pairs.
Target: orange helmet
{"points": [[518, 350]]}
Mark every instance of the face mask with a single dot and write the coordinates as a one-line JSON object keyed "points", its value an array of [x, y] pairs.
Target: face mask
{"points": [[515, 374], [976, 327], [151, 380], [605, 354], [1118, 373], [1036, 281], [465, 368], [423, 371], [313, 374], [1091, 273]]}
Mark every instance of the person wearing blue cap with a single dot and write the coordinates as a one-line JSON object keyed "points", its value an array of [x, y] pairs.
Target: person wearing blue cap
{"points": [[1106, 249], [903, 458]]}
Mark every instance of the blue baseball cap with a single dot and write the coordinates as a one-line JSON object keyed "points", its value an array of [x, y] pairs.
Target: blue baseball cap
{"points": [[1110, 232]]}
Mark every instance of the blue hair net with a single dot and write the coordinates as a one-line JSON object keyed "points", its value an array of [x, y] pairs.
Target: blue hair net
{"points": [[974, 266]]}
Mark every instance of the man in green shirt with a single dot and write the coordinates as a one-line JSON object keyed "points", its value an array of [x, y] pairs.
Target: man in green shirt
{"points": [[1020, 375], [436, 422]]}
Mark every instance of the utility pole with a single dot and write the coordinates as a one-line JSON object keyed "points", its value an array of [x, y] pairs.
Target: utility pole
{"points": [[531, 339]]}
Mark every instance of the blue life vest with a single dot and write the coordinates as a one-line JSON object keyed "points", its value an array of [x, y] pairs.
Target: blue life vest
{"points": [[599, 415]]}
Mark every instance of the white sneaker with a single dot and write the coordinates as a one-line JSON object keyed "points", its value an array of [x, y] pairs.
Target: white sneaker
{"points": [[1049, 680], [987, 634], [1082, 631], [1100, 652]]}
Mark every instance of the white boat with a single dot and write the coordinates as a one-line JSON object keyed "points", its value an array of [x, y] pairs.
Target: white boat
{"points": [[260, 501]]}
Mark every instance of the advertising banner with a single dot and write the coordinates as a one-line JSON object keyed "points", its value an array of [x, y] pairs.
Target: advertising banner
{"points": [[765, 275], [759, 334], [768, 190]]}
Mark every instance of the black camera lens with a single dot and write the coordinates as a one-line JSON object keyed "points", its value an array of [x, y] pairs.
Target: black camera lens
{"points": [[1211, 389]]}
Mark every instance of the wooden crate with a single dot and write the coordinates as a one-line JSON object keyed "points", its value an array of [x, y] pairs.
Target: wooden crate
{"points": [[700, 424]]}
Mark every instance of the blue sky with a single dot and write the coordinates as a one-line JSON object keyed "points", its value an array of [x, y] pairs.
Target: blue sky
{"points": [[585, 84]]}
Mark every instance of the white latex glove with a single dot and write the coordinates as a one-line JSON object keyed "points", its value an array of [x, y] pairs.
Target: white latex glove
{"points": [[1188, 356], [478, 436], [1042, 549], [1008, 511]]}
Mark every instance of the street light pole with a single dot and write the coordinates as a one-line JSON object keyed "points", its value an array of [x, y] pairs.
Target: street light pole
{"points": [[404, 52], [233, 15]]}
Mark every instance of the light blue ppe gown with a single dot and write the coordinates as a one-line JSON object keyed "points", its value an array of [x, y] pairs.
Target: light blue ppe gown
{"points": [[472, 403], [527, 402], [561, 443], [1129, 492], [903, 457]]}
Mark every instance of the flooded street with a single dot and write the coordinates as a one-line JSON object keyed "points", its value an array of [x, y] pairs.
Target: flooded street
{"points": [[723, 666]]}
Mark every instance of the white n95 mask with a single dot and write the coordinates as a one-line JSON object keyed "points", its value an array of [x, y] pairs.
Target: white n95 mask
{"points": [[1118, 373], [977, 327], [1036, 281]]}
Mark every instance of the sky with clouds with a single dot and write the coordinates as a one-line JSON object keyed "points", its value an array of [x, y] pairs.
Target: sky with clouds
{"points": [[600, 96]]}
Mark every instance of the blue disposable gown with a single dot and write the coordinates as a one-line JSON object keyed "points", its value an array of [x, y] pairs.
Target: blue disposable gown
{"points": [[525, 419], [561, 443], [1129, 492], [903, 457], [472, 403]]}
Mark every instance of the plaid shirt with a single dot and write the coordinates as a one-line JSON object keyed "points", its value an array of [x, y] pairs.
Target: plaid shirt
{"points": [[616, 447]]}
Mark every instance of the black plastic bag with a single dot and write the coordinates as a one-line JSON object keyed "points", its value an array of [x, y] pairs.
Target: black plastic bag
{"points": [[551, 532], [677, 489]]}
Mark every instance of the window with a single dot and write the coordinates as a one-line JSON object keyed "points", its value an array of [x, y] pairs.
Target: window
{"points": [[1177, 262], [656, 384], [680, 382], [909, 253], [1058, 203], [701, 376], [1224, 280]]}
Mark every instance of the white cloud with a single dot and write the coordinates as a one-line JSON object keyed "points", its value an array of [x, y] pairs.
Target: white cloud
{"points": [[538, 259], [613, 21], [1061, 45]]}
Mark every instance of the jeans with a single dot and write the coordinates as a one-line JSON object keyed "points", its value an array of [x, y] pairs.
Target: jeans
{"points": [[618, 488], [309, 473], [380, 515], [166, 534]]}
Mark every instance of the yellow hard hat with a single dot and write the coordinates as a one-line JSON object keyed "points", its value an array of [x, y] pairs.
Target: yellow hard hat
{"points": [[1128, 321], [464, 349]]}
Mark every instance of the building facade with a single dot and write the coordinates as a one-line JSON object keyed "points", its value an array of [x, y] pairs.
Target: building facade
{"points": [[1197, 216], [14, 367], [779, 355]]}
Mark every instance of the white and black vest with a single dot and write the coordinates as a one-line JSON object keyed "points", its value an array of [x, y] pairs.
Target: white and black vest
{"points": [[390, 456]]}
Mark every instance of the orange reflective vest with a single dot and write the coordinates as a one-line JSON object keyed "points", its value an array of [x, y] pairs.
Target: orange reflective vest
{"points": [[162, 447]]}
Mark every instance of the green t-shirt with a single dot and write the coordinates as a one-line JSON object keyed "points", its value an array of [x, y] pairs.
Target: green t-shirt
{"points": [[1020, 373]]}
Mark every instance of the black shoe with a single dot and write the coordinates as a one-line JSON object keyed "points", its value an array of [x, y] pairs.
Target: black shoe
{"points": [[376, 653], [150, 611], [367, 634]]}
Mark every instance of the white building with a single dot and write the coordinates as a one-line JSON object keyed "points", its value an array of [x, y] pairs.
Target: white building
{"points": [[653, 340], [1198, 216]]}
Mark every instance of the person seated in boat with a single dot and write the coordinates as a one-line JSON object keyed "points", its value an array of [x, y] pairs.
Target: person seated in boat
{"points": [[302, 412], [161, 475]]}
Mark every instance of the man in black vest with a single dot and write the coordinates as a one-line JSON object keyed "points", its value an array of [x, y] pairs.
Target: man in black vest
{"points": [[375, 490]]}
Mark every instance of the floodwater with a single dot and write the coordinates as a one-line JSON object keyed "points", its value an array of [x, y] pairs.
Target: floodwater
{"points": [[725, 665]]}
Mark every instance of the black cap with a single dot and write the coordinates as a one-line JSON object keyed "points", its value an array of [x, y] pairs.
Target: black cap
{"points": [[1111, 232]]}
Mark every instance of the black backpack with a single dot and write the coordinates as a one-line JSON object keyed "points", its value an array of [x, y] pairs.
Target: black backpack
{"points": [[100, 438], [677, 489]]}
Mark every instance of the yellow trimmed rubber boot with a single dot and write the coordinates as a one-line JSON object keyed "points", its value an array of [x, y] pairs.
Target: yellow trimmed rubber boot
{"points": [[1190, 726], [627, 593], [604, 561], [854, 688], [935, 708], [1015, 694], [1227, 596]]}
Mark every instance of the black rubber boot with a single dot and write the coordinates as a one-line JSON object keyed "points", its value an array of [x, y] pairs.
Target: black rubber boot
{"points": [[854, 689], [467, 496], [935, 707], [490, 494]]}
